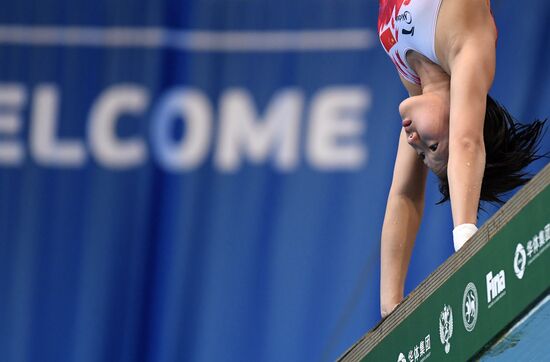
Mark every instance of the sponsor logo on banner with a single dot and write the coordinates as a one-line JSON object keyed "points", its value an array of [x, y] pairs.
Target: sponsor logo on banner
{"points": [[520, 261], [446, 327], [496, 287], [526, 254], [419, 353], [470, 307]]}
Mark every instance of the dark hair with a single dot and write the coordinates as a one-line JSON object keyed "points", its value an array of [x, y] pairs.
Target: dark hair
{"points": [[509, 148]]}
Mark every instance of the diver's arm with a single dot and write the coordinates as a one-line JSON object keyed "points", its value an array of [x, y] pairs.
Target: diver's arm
{"points": [[472, 71], [401, 222], [470, 55], [466, 41]]}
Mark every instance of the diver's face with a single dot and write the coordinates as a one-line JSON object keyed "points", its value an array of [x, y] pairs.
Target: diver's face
{"points": [[426, 123]]}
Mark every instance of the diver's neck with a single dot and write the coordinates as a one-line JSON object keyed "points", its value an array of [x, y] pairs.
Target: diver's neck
{"points": [[432, 77]]}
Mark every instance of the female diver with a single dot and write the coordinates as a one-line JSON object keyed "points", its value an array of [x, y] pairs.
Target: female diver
{"points": [[444, 52]]}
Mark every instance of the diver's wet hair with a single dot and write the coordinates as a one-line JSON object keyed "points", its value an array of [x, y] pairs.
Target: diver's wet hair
{"points": [[509, 148]]}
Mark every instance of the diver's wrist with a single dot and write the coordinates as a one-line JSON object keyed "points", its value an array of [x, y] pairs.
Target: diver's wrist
{"points": [[462, 233]]}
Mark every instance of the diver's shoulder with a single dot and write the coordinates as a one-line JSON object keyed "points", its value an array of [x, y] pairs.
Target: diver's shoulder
{"points": [[463, 22]]}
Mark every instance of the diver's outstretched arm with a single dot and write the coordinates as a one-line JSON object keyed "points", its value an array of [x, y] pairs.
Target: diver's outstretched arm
{"points": [[466, 163], [401, 222], [471, 59]]}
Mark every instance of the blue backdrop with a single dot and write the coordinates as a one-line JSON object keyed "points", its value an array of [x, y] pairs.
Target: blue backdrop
{"points": [[206, 180]]}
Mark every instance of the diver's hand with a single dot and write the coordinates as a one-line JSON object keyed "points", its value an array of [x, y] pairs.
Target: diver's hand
{"points": [[462, 233], [387, 307]]}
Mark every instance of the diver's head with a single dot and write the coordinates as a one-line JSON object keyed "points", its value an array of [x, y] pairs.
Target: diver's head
{"points": [[426, 123]]}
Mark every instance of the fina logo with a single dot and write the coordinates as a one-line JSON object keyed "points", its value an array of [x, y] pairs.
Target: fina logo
{"points": [[520, 261], [401, 358], [446, 327], [496, 287], [470, 307]]}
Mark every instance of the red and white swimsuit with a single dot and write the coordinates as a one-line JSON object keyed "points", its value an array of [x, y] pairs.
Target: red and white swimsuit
{"points": [[405, 25]]}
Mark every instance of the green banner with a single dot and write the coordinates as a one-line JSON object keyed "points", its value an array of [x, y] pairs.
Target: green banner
{"points": [[479, 300]]}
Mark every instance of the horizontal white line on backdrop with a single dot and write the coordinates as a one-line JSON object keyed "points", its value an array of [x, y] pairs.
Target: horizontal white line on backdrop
{"points": [[195, 41]]}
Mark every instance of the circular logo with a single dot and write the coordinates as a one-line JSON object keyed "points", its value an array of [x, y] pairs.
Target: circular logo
{"points": [[401, 358], [470, 307], [446, 327], [520, 260], [406, 17]]}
